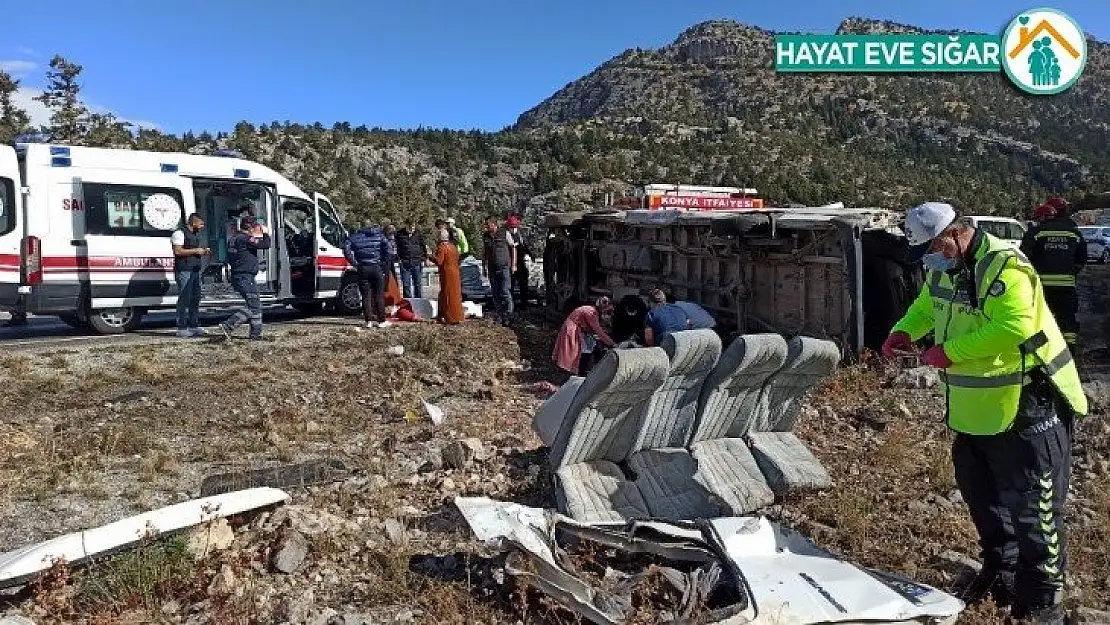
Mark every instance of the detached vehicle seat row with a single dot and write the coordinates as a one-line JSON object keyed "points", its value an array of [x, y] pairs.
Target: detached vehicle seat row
{"points": [[684, 431]]}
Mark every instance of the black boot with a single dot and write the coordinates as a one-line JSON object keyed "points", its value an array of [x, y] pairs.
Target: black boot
{"points": [[997, 584], [18, 320]]}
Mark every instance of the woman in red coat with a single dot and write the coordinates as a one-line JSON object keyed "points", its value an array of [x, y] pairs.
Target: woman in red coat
{"points": [[578, 334]]}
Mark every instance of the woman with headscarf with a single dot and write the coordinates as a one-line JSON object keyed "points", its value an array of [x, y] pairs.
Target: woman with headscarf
{"points": [[450, 279], [577, 338]]}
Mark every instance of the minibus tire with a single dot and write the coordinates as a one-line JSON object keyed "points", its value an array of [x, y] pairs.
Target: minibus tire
{"points": [[122, 324]]}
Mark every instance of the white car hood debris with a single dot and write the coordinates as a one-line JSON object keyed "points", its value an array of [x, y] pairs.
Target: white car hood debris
{"points": [[797, 580], [783, 577], [21, 565]]}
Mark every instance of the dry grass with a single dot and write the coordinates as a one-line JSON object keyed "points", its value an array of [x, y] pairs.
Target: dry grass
{"points": [[334, 392], [119, 588]]}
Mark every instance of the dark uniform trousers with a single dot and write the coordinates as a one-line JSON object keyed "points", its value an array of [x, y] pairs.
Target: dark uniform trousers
{"points": [[1063, 301], [1015, 484]]}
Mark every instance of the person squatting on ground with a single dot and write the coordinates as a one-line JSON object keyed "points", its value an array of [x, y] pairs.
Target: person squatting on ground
{"points": [[242, 258], [1058, 252], [1011, 393], [189, 251], [579, 335], [498, 259], [368, 250]]}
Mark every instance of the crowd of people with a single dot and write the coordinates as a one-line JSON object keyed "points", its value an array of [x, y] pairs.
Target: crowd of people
{"points": [[377, 249], [388, 263]]}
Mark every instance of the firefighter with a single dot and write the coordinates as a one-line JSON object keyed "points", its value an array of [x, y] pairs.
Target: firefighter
{"points": [[1004, 368], [1058, 252]]}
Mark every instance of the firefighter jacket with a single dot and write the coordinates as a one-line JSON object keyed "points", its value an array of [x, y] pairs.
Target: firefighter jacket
{"points": [[1057, 250], [992, 320]]}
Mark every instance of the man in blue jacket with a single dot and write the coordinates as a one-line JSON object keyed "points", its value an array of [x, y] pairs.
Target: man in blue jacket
{"points": [[242, 259], [368, 250], [666, 318]]}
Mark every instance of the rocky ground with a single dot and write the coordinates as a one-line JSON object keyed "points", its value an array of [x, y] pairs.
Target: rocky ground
{"points": [[87, 437]]}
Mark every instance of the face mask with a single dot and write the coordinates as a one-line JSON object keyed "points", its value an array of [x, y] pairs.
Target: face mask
{"points": [[936, 261]]}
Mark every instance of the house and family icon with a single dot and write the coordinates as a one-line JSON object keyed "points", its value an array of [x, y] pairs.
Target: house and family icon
{"points": [[1045, 51]]}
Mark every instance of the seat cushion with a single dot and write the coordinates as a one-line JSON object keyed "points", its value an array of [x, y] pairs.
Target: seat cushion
{"points": [[669, 418], [598, 492], [667, 479], [809, 362], [599, 422], [787, 464], [732, 396], [726, 467]]}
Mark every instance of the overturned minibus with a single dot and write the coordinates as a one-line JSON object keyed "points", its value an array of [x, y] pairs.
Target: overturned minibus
{"points": [[844, 274]]}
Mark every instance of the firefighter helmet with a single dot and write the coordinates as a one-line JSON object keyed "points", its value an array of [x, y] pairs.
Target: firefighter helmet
{"points": [[1044, 211]]}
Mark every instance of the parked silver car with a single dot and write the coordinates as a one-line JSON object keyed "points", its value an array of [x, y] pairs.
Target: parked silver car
{"points": [[1098, 242]]}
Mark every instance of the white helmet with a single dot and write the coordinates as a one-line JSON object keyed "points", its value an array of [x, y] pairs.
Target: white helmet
{"points": [[926, 221]]}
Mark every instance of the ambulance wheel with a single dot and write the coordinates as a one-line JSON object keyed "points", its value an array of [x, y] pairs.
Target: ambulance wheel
{"points": [[73, 320], [115, 320], [349, 299]]}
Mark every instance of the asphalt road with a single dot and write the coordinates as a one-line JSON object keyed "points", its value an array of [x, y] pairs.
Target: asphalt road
{"points": [[42, 332]]}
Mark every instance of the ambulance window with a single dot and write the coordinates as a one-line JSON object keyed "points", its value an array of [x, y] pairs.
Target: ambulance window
{"points": [[7, 205], [329, 226], [117, 210]]}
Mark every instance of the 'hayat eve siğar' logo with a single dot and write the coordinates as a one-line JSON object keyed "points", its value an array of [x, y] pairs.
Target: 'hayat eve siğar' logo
{"points": [[1043, 51]]}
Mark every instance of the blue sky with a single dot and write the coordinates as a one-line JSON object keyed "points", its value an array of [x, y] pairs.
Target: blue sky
{"points": [[206, 64]]}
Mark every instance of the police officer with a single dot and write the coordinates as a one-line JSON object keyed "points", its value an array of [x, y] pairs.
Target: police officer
{"points": [[1058, 252], [1004, 366]]}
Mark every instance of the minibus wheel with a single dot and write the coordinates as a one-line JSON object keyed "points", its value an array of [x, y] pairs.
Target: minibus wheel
{"points": [[115, 320]]}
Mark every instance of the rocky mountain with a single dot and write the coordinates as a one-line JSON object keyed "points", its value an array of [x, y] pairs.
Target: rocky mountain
{"points": [[709, 109], [875, 139]]}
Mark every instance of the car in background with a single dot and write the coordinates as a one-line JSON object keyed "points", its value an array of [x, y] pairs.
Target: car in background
{"points": [[1098, 242], [1009, 230]]}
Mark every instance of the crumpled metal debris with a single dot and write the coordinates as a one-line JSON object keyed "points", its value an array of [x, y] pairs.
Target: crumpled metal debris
{"points": [[742, 570]]}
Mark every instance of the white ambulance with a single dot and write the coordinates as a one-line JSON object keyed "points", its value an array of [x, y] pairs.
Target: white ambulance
{"points": [[85, 233]]}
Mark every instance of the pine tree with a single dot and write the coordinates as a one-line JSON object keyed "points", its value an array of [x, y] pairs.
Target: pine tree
{"points": [[13, 120], [105, 130], [156, 141], [243, 139], [63, 95]]}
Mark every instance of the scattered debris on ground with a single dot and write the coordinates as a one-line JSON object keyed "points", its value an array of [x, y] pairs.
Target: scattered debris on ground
{"points": [[89, 437]]}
